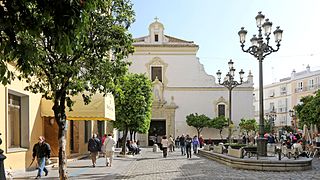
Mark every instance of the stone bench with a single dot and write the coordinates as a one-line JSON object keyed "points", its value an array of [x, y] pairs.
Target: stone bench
{"points": [[238, 153], [250, 151]]}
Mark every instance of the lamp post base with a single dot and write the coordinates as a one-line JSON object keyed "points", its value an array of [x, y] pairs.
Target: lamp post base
{"points": [[262, 147]]}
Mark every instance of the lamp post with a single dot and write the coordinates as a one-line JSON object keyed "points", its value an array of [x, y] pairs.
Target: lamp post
{"points": [[230, 83], [292, 114], [260, 49]]}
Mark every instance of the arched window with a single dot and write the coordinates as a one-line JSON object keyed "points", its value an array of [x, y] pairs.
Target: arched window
{"points": [[156, 71], [221, 110]]}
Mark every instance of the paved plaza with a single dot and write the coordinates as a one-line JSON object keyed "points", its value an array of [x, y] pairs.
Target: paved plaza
{"points": [[149, 166]]}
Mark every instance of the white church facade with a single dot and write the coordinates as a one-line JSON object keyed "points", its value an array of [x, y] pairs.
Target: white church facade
{"points": [[181, 86]]}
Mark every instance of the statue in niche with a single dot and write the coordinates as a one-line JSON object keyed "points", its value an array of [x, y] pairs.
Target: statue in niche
{"points": [[157, 90]]}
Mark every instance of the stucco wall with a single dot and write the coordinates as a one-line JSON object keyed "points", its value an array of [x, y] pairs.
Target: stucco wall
{"points": [[193, 90], [19, 158]]}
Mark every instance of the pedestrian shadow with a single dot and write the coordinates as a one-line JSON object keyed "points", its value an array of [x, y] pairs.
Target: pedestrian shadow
{"points": [[147, 158], [78, 166]]}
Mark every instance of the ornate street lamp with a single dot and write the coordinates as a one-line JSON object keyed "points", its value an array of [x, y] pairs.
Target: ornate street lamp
{"points": [[230, 83], [260, 49]]}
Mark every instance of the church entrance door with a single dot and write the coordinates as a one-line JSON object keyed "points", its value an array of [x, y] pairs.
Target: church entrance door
{"points": [[156, 131]]}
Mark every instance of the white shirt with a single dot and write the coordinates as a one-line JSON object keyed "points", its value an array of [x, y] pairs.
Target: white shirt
{"points": [[164, 142], [109, 144]]}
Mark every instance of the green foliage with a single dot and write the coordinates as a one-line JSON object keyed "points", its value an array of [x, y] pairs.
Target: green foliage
{"points": [[133, 101], [63, 48], [288, 129], [219, 123], [198, 121], [309, 111], [267, 126], [248, 125]]}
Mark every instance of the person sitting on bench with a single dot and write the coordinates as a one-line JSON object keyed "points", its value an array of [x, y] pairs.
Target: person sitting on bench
{"points": [[132, 150], [299, 150]]}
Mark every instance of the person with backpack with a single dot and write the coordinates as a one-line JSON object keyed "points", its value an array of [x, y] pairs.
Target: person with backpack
{"points": [[94, 146], [41, 150]]}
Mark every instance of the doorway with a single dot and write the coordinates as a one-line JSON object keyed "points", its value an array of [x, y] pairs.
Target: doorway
{"points": [[74, 136], [156, 131]]}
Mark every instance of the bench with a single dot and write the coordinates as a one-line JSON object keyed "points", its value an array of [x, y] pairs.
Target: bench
{"points": [[250, 151]]}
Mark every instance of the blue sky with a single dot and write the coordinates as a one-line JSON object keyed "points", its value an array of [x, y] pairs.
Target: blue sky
{"points": [[214, 26]]}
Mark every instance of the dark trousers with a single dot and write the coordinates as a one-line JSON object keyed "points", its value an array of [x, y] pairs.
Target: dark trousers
{"points": [[188, 149], [165, 151]]}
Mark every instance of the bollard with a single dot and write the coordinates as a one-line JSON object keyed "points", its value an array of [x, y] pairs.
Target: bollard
{"points": [[279, 153], [155, 148], [2, 158]]}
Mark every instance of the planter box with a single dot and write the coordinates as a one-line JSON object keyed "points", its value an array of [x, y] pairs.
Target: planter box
{"points": [[218, 149], [238, 153]]}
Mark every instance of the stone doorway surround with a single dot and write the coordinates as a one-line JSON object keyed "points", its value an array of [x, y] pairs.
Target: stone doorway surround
{"points": [[162, 110]]}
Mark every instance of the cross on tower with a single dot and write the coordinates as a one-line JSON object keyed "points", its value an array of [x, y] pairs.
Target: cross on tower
{"points": [[156, 18]]}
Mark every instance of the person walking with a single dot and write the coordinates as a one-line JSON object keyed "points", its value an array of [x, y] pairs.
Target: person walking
{"points": [[171, 144], [165, 144], [108, 146], [182, 145], [195, 143], [188, 146], [201, 141], [41, 150], [177, 142], [94, 146]]}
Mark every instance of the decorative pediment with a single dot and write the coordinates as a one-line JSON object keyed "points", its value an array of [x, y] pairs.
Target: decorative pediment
{"points": [[221, 100], [157, 61]]}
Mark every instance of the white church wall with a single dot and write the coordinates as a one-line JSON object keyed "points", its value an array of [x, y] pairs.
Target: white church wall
{"points": [[183, 70], [184, 78]]}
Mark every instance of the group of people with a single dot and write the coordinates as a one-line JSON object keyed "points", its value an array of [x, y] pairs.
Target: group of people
{"points": [[184, 142], [133, 147], [106, 146]]}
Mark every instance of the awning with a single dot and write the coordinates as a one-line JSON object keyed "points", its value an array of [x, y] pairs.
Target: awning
{"points": [[100, 108]]}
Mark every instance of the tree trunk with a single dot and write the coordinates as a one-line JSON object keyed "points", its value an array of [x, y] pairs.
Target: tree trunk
{"points": [[134, 135], [60, 116], [220, 134], [62, 151], [131, 133], [199, 133], [124, 138]]}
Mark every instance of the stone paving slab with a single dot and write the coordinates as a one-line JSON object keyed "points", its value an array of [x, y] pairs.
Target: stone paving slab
{"points": [[152, 166]]}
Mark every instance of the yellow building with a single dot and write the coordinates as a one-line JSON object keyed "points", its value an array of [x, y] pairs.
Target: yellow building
{"points": [[280, 97], [25, 116]]}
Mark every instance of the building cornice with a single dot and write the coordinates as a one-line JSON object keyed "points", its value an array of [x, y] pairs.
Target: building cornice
{"points": [[207, 89]]}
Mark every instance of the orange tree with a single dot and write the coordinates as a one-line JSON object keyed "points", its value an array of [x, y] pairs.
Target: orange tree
{"points": [[133, 101], [198, 121], [63, 48], [219, 123]]}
